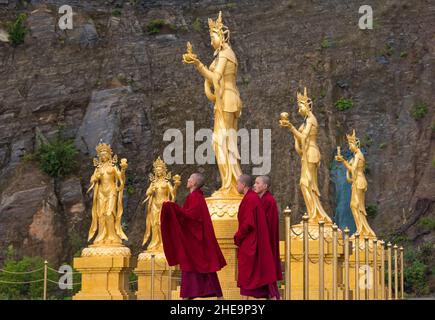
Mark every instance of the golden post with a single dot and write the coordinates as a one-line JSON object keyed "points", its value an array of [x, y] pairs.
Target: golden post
{"points": [[321, 261], [152, 275], [390, 292], [346, 263], [367, 267], [396, 275], [382, 269], [45, 279], [169, 282], [375, 269], [402, 268], [357, 265], [334, 261], [287, 213], [306, 261]]}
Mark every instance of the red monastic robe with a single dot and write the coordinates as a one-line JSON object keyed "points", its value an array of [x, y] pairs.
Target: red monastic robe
{"points": [[272, 216], [188, 236], [256, 266]]}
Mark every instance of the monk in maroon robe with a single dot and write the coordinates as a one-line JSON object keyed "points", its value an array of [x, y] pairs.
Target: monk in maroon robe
{"points": [[189, 240], [261, 187], [256, 266]]}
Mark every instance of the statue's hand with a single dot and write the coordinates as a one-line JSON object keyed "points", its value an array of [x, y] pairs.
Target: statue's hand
{"points": [[190, 58], [123, 164], [339, 158], [285, 124]]}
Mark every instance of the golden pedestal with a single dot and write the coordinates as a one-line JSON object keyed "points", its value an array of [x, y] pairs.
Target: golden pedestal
{"points": [[105, 272], [297, 264], [369, 293], [163, 284]]}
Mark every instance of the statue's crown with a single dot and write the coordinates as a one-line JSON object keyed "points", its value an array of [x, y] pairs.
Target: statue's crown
{"points": [[303, 97], [216, 26], [103, 147], [159, 163], [352, 137]]}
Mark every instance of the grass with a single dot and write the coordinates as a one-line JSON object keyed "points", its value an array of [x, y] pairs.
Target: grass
{"points": [[418, 111], [428, 223], [326, 43], [197, 25], [383, 145], [344, 104], [17, 31], [157, 25]]}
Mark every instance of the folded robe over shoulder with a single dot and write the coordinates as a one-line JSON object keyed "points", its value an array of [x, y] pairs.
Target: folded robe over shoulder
{"points": [[188, 235], [256, 266], [272, 216]]}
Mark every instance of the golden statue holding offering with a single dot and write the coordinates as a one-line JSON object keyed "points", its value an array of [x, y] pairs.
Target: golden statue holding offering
{"points": [[306, 147], [108, 183], [221, 89], [355, 175], [159, 191]]}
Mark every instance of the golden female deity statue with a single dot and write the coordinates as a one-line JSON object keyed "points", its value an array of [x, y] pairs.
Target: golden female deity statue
{"points": [[108, 183], [355, 175], [221, 89], [159, 191], [306, 146]]}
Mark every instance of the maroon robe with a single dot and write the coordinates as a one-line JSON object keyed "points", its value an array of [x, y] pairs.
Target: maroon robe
{"points": [[256, 266], [189, 240], [272, 216]]}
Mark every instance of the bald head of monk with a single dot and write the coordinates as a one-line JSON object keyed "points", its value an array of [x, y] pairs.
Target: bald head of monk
{"points": [[195, 181], [244, 183], [261, 185]]}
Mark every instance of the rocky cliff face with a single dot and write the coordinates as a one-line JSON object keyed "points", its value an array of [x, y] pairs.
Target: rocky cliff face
{"points": [[109, 78]]}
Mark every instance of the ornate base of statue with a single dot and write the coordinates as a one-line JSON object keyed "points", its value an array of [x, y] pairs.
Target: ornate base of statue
{"points": [[105, 271], [153, 265]]}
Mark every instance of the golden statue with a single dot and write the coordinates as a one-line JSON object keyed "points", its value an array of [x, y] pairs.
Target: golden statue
{"points": [[306, 146], [108, 182], [221, 89], [355, 175], [159, 191]]}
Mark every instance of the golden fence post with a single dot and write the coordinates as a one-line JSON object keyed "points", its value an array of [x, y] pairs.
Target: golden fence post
{"points": [[287, 213], [45, 279], [346, 263], [321, 261], [334, 261], [357, 297], [402, 269], [153, 256], [390, 291], [169, 282], [367, 267], [382, 269], [306, 261], [396, 276], [375, 269]]}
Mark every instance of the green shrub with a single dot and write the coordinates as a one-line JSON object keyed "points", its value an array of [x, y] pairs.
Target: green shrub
{"points": [[428, 223], [58, 157], [326, 43], [344, 104], [419, 111], [197, 26], [155, 26], [372, 210], [415, 281], [17, 31], [116, 13]]}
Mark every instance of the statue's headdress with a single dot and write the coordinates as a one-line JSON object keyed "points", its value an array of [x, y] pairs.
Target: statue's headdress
{"points": [[159, 163], [219, 28], [103, 147], [303, 98], [351, 138]]}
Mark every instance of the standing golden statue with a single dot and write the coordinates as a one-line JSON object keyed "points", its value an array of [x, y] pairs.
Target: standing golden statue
{"points": [[221, 89], [355, 175], [108, 183], [306, 146], [159, 191]]}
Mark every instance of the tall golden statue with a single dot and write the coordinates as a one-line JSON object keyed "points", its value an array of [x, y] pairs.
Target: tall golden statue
{"points": [[159, 191], [108, 183], [306, 146], [355, 175], [221, 89]]}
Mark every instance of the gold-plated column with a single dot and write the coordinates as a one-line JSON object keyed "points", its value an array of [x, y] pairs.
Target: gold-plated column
{"points": [[306, 260], [396, 274], [382, 269], [357, 295], [153, 261], [334, 261], [169, 283], [287, 214], [45, 279], [402, 269], [390, 292], [375, 269], [346, 263], [321, 261], [367, 267]]}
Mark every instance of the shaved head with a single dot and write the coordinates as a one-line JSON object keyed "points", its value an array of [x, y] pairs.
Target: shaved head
{"points": [[246, 180], [266, 180], [199, 179]]}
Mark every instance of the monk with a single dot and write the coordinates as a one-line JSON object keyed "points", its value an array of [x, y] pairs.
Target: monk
{"points": [[256, 266], [261, 187], [189, 240]]}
